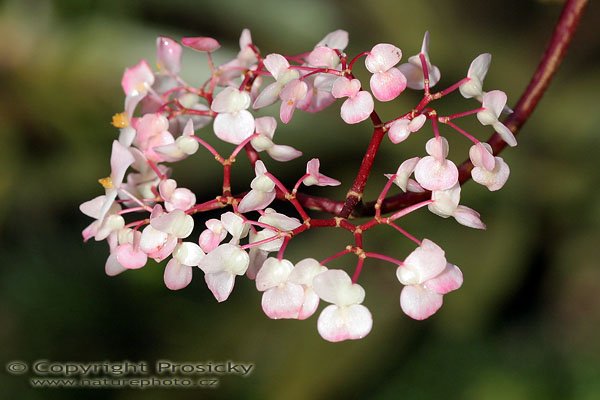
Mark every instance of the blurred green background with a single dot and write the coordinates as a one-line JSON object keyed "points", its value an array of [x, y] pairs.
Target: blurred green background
{"points": [[525, 324]]}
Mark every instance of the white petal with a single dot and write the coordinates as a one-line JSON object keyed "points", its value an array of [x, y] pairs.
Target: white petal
{"points": [[335, 286], [419, 303], [284, 301], [234, 127], [342, 323], [450, 279], [188, 253], [273, 273], [256, 200], [177, 276], [220, 284], [357, 108], [425, 262], [226, 257]]}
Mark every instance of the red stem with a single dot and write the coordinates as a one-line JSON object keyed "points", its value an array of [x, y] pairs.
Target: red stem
{"points": [[555, 52]]}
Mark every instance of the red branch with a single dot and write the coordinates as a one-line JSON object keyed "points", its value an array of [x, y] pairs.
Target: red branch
{"points": [[551, 60]]}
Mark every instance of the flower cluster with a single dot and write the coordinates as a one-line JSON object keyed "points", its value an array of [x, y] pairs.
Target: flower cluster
{"points": [[145, 213]]}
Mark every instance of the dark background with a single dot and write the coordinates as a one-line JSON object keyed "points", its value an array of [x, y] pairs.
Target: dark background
{"points": [[525, 323]]}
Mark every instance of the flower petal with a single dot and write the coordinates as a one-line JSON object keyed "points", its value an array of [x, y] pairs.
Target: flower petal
{"points": [[177, 276], [336, 324], [358, 108], [419, 303]]}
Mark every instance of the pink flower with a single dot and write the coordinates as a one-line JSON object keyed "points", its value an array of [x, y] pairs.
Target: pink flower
{"points": [[445, 204], [346, 318], [403, 173], [220, 268], [168, 55], [153, 133], [413, 70], [136, 83], [103, 208], [278, 223], [265, 129], [427, 277], [281, 298], [476, 74], [493, 104], [246, 58], [489, 171], [161, 236], [386, 82], [178, 272], [184, 146], [400, 129], [280, 69], [212, 236], [358, 105], [315, 177], [234, 124], [174, 197], [336, 40], [128, 253], [262, 193], [292, 93], [203, 44], [318, 96], [303, 274], [435, 172]]}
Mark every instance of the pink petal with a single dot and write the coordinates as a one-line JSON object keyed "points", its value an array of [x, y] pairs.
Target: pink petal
{"points": [[206, 44], [177, 276], [323, 57], [419, 303], [336, 40], [265, 126], [388, 85], [437, 147], [494, 101], [112, 266], [120, 160], [344, 87], [481, 156], [335, 286], [291, 93], [283, 153], [137, 79], [234, 128], [424, 263], [92, 208], [283, 301], [268, 96], [434, 175], [168, 54], [477, 71], [505, 133], [358, 108], [309, 305], [256, 200], [495, 179], [398, 130], [382, 57], [227, 257], [450, 279], [468, 217], [273, 273], [336, 324], [129, 257], [276, 64], [220, 284]]}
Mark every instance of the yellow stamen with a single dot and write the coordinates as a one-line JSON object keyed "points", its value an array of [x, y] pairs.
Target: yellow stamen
{"points": [[106, 183], [120, 120]]}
